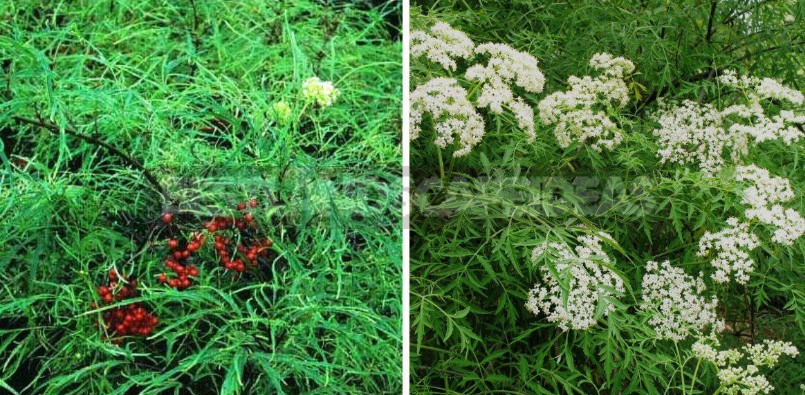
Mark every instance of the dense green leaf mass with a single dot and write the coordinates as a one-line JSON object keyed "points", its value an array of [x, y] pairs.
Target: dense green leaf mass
{"points": [[471, 241], [186, 89]]}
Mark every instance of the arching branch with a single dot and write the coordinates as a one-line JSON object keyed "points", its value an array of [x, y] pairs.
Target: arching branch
{"points": [[128, 159]]}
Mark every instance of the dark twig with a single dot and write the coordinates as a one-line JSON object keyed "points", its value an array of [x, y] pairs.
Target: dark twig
{"points": [[709, 34], [133, 162]]}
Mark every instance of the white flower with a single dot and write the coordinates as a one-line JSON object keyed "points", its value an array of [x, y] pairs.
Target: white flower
{"points": [[580, 112], [763, 196], [318, 91], [589, 283], [453, 114], [442, 46], [675, 301], [790, 224], [613, 67], [789, 18], [758, 89], [699, 133], [506, 65], [525, 117], [693, 133], [767, 190], [732, 246], [768, 353], [743, 379]]}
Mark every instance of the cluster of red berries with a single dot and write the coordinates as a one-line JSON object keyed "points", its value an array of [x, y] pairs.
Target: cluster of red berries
{"points": [[177, 254], [133, 319], [223, 243], [130, 319]]}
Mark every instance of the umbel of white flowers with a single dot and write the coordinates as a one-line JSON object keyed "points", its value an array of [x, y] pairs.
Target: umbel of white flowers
{"points": [[588, 279], [506, 66], [321, 92], [702, 134], [731, 246], [453, 115], [676, 304], [763, 196], [443, 45], [736, 377], [580, 112]]}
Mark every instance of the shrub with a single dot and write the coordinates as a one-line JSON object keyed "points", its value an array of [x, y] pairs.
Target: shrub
{"points": [[645, 236]]}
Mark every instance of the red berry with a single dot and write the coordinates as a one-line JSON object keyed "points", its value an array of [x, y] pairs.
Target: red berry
{"points": [[173, 243], [192, 271], [177, 254], [162, 278], [103, 290], [174, 282], [121, 328], [241, 225], [154, 320], [185, 283], [193, 246], [253, 203], [107, 298], [167, 218], [248, 217], [112, 274], [242, 206], [185, 254]]}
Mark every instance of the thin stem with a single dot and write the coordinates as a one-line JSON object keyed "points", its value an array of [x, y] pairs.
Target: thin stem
{"points": [[441, 164], [298, 118], [695, 373], [681, 370]]}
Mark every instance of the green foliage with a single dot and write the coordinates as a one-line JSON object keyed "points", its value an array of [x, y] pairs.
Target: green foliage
{"points": [[187, 91], [473, 230]]}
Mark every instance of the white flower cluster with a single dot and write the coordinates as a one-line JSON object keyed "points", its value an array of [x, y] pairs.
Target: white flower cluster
{"points": [[732, 246], [761, 89], [321, 92], [589, 283], [763, 196], [453, 114], [763, 128], [743, 379], [699, 133], [790, 224], [507, 65], [579, 113], [675, 300], [693, 133], [766, 189], [442, 45], [525, 117]]}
